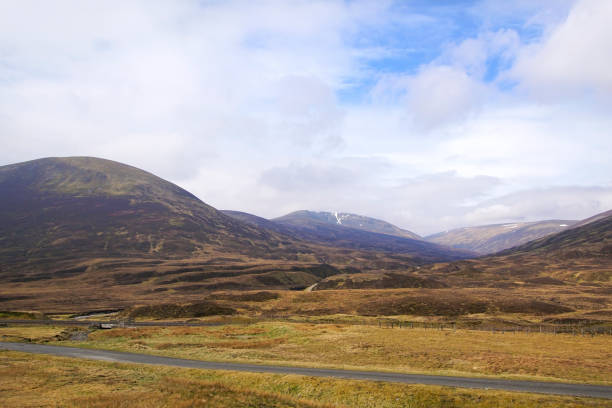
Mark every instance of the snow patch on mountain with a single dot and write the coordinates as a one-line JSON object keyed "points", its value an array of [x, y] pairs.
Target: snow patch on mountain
{"points": [[340, 217]]}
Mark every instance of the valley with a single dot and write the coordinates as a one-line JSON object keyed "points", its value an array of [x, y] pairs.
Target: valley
{"points": [[104, 244], [306, 204]]}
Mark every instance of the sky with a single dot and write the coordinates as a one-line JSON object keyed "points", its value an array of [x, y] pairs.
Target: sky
{"points": [[431, 115]]}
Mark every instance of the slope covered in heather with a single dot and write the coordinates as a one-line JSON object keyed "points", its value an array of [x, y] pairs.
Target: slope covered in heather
{"points": [[87, 207], [82, 230], [580, 254]]}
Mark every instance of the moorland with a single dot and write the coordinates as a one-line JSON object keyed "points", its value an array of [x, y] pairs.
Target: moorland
{"points": [[95, 240]]}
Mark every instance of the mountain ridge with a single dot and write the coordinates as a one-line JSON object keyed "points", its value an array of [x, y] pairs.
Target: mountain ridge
{"points": [[492, 238], [83, 230], [581, 254], [88, 230], [324, 228], [350, 220]]}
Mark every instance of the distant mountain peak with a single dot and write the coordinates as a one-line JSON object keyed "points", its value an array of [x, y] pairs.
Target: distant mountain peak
{"points": [[349, 220], [342, 216]]}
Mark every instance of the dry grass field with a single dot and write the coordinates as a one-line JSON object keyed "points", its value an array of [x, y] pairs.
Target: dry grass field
{"points": [[522, 308], [560, 357], [531, 304], [44, 381], [523, 305]]}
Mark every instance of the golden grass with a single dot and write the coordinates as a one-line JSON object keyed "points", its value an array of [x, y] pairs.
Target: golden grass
{"points": [[45, 381], [29, 333], [540, 356], [534, 303]]}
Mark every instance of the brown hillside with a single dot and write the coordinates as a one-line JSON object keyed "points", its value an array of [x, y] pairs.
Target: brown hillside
{"points": [[582, 254], [77, 229]]}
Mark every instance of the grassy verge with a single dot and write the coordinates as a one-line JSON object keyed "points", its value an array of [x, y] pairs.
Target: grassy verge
{"points": [[45, 381], [30, 333]]}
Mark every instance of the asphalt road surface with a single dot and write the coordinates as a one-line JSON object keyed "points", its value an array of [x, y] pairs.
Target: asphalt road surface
{"points": [[582, 390]]}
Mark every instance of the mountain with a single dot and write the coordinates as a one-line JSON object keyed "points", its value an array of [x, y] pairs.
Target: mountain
{"points": [[80, 206], [333, 229], [83, 232], [591, 237], [580, 254], [594, 218], [489, 239], [88, 231], [258, 221], [308, 218]]}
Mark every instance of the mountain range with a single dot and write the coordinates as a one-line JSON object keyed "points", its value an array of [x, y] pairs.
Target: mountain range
{"points": [[488, 239], [338, 230], [72, 226], [578, 255], [84, 230]]}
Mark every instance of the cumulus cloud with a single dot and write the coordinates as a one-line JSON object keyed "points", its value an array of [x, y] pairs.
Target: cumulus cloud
{"points": [[438, 95], [573, 59], [472, 54], [82, 76], [435, 96], [453, 86]]}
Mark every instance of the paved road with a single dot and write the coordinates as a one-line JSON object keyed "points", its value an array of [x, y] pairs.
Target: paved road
{"points": [[583, 390]]}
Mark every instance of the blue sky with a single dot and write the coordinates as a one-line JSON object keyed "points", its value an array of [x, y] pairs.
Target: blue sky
{"points": [[428, 114], [419, 32]]}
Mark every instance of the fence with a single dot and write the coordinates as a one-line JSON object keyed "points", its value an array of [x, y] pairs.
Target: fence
{"points": [[586, 329]]}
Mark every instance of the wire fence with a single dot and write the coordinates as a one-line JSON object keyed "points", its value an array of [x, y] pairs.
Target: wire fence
{"points": [[585, 328]]}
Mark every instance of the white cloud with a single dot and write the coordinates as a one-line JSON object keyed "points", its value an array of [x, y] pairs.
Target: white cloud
{"points": [[574, 58], [442, 94], [452, 87], [178, 79], [551, 203], [472, 54], [436, 96]]}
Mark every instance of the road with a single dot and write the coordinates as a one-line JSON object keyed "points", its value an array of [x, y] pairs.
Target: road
{"points": [[583, 390]]}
